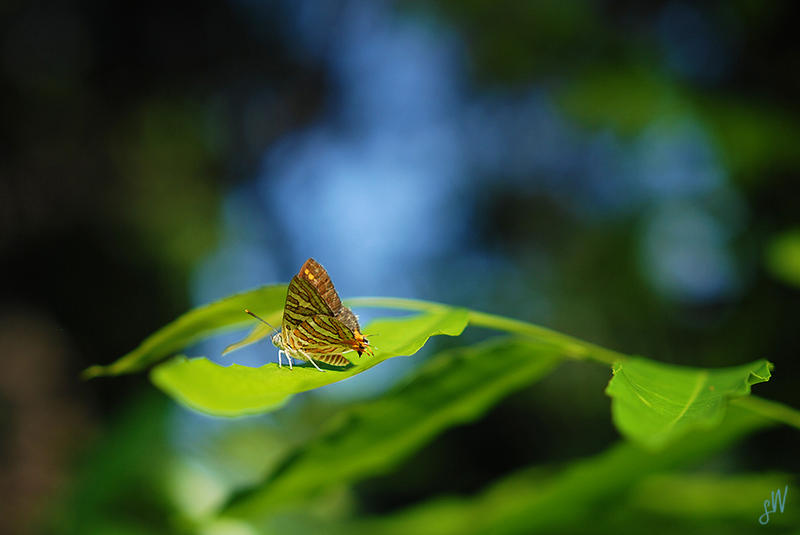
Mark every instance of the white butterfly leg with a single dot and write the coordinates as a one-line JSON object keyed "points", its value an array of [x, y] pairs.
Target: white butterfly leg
{"points": [[288, 358], [306, 355]]}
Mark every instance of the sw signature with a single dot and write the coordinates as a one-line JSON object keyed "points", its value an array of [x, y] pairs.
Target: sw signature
{"points": [[777, 500]]}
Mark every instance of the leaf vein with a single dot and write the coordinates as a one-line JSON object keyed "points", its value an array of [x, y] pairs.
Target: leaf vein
{"points": [[701, 379]]}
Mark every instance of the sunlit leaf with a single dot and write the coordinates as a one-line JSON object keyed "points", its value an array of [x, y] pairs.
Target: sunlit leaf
{"points": [[783, 257], [235, 390], [653, 403], [197, 324], [454, 387]]}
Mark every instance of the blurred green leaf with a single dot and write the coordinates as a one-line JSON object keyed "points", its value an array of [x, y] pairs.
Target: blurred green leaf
{"points": [[197, 324], [584, 489], [627, 98], [751, 137], [704, 495], [120, 486], [236, 390], [653, 403], [452, 388], [259, 331], [773, 410], [783, 257], [754, 138], [586, 496], [167, 155]]}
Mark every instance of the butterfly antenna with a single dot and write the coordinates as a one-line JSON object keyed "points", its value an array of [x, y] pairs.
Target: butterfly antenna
{"points": [[265, 322]]}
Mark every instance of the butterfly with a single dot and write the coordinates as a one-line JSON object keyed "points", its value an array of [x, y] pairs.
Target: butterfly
{"points": [[316, 325]]}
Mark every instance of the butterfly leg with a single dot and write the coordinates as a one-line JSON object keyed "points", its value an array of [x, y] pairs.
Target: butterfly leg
{"points": [[288, 358], [306, 355]]}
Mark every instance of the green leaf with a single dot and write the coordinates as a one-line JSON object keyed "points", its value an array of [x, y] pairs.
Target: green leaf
{"points": [[569, 346], [783, 257], [259, 331], [750, 137], [238, 390], [453, 387], [117, 484], [235, 390], [577, 498], [580, 493], [710, 495], [653, 403], [773, 410], [197, 324]]}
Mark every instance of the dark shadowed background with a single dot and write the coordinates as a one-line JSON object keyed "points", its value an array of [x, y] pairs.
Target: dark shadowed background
{"points": [[615, 171]]}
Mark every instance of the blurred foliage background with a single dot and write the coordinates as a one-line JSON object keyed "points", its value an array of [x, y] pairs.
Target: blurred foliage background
{"points": [[626, 173]]}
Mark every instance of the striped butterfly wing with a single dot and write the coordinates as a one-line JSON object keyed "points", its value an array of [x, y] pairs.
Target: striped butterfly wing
{"points": [[313, 272], [303, 301], [324, 338]]}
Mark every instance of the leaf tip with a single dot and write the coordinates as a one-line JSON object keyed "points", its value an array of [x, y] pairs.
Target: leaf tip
{"points": [[92, 371], [762, 374]]}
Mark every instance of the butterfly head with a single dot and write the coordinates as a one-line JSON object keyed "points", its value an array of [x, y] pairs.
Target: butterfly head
{"points": [[361, 344], [276, 340]]}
